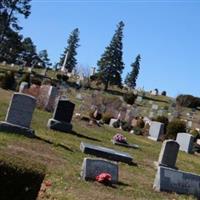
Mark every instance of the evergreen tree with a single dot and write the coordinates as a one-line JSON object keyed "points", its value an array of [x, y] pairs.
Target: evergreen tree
{"points": [[43, 55], [131, 77], [29, 51], [9, 10], [70, 51], [111, 64]]}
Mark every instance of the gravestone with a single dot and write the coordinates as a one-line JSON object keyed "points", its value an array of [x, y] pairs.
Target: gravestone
{"points": [[92, 167], [139, 99], [135, 146], [154, 107], [62, 116], [156, 131], [19, 115], [47, 97], [171, 180], [23, 86], [151, 114], [185, 141], [168, 153], [112, 121], [106, 153]]}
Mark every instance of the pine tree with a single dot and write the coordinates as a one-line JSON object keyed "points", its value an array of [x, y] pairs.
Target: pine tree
{"points": [[43, 55], [131, 77], [111, 64], [70, 51]]}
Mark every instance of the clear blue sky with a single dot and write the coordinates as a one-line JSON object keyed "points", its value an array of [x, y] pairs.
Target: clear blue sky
{"points": [[165, 33]]}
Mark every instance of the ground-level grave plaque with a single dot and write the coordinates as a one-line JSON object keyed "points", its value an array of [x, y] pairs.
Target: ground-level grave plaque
{"points": [[135, 146], [62, 116], [19, 115], [168, 154], [104, 152], [92, 167], [185, 141], [156, 131], [172, 180]]}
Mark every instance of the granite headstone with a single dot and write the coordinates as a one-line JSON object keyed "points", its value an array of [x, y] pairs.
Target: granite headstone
{"points": [[156, 130], [185, 141], [92, 167]]}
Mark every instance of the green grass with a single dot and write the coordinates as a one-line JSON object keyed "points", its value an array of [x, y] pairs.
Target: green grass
{"points": [[61, 155]]}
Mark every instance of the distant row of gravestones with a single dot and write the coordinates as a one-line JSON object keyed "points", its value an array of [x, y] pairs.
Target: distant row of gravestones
{"points": [[168, 178]]}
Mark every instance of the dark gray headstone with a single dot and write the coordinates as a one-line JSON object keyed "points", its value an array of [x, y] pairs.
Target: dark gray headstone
{"points": [[171, 180], [156, 131], [21, 110], [19, 115], [62, 116], [185, 141], [64, 111], [93, 167], [106, 153], [168, 153]]}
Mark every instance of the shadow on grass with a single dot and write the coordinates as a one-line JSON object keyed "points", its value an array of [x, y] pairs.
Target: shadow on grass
{"points": [[115, 185], [52, 143], [84, 136]]}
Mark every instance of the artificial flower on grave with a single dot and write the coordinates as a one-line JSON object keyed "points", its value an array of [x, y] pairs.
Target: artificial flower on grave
{"points": [[104, 178], [119, 138]]}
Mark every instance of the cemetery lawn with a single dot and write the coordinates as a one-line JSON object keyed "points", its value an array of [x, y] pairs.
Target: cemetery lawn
{"points": [[60, 154]]}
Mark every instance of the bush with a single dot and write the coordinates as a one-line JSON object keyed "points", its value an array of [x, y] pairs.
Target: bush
{"points": [[8, 81], [116, 124], [129, 98], [62, 77], [164, 93], [126, 126], [163, 120], [140, 123], [137, 130], [174, 127], [36, 81], [106, 117], [188, 101]]}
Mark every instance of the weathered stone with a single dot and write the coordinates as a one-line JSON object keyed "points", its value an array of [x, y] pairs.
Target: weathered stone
{"points": [[21, 110], [185, 141], [156, 131], [19, 115], [171, 180], [112, 121], [23, 86], [106, 153], [93, 167], [168, 153]]}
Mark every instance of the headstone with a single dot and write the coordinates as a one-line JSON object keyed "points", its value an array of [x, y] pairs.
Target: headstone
{"points": [[19, 115], [62, 116], [106, 153], [171, 180], [112, 121], [168, 153], [79, 96], [160, 112], [139, 99], [156, 131], [154, 107], [92, 167], [23, 86], [150, 102], [185, 141], [151, 114], [47, 97], [189, 124]]}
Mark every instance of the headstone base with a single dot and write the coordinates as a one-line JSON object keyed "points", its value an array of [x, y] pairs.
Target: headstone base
{"points": [[135, 146], [152, 138], [59, 126], [12, 128], [156, 165]]}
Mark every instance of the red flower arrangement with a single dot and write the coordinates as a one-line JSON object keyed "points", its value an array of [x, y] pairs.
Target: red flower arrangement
{"points": [[104, 178]]}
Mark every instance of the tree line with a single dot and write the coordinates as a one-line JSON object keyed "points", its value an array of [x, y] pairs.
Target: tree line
{"points": [[16, 49]]}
